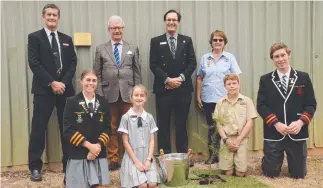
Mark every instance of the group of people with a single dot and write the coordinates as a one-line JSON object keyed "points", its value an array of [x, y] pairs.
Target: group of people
{"points": [[110, 107]]}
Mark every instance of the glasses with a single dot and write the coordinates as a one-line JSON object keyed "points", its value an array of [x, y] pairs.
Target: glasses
{"points": [[169, 20], [216, 40], [116, 28]]}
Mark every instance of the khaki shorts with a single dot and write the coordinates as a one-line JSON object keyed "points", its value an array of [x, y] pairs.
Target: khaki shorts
{"points": [[238, 160]]}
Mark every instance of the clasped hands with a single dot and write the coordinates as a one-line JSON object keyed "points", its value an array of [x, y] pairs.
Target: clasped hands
{"points": [[173, 83], [233, 144], [293, 128], [141, 167], [58, 87], [94, 151]]}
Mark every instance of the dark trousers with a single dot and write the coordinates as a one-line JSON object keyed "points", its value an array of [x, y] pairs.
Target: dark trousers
{"points": [[43, 108], [274, 154], [213, 136], [165, 105]]}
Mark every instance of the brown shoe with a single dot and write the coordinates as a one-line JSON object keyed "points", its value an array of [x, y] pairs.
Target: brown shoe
{"points": [[113, 166]]}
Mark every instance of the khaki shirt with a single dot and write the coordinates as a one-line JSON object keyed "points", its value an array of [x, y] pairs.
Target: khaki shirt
{"points": [[233, 117]]}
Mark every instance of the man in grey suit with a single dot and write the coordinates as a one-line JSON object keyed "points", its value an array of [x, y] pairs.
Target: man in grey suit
{"points": [[118, 68]]}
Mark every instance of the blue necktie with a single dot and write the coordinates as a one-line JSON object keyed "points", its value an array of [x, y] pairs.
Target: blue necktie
{"points": [[116, 54]]}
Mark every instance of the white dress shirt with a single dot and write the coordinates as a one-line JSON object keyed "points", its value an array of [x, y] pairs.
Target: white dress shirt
{"points": [[87, 101], [49, 36], [119, 47]]}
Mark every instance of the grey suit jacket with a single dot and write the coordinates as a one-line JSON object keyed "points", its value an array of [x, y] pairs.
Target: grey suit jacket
{"points": [[111, 79]]}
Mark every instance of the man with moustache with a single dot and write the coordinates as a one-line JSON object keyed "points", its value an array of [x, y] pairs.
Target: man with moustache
{"points": [[172, 61], [118, 67], [287, 104], [52, 59]]}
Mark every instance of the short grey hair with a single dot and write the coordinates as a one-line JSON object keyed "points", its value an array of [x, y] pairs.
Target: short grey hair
{"points": [[115, 19]]}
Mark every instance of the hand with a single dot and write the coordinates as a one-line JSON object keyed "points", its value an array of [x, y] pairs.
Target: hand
{"points": [[199, 102], [147, 165], [57, 87], [295, 127], [231, 145], [95, 149], [140, 166], [90, 156], [281, 128], [237, 142], [173, 83]]}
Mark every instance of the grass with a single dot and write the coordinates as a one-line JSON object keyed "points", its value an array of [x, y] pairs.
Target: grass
{"points": [[231, 182]]}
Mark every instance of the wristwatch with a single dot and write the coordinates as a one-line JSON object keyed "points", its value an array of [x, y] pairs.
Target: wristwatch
{"points": [[150, 159], [225, 140]]}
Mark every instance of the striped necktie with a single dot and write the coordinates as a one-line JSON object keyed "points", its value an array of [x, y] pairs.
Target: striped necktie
{"points": [[172, 46], [116, 54], [284, 84]]}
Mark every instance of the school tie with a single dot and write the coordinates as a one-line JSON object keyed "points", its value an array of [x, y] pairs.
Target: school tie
{"points": [[116, 54], [91, 108], [139, 122], [284, 84], [172, 46], [56, 55]]}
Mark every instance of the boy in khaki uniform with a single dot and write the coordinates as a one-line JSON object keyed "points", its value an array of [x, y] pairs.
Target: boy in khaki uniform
{"points": [[234, 114]]}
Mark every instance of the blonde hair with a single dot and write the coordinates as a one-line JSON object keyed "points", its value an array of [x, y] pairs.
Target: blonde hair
{"points": [[231, 76], [89, 71], [141, 87]]}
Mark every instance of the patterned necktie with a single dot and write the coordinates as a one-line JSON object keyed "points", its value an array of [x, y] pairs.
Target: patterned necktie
{"points": [[56, 55], [116, 54], [284, 84], [139, 122], [91, 108], [172, 46]]}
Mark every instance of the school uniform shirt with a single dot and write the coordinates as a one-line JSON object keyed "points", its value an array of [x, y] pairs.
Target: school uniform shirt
{"points": [[213, 72], [275, 106], [233, 116], [80, 126]]}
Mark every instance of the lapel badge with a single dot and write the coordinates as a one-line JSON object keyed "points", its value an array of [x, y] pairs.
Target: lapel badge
{"points": [[208, 63], [183, 41], [292, 80]]}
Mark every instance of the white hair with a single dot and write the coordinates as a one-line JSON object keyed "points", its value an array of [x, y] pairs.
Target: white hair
{"points": [[116, 20]]}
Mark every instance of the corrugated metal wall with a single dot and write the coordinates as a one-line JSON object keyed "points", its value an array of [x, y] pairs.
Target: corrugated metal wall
{"points": [[251, 28]]}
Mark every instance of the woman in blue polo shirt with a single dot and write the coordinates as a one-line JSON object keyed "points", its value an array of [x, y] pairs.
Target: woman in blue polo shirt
{"points": [[209, 85]]}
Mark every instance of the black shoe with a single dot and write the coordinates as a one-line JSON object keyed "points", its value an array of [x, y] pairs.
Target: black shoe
{"points": [[213, 158], [113, 166], [35, 175], [191, 162], [64, 181]]}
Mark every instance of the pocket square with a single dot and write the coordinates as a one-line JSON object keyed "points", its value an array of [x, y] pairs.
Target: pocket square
{"points": [[129, 52], [161, 43], [65, 44]]}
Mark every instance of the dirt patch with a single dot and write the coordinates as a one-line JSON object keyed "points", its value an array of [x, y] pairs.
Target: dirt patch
{"points": [[54, 179]]}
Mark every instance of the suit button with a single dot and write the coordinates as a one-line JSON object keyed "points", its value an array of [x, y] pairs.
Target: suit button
{"points": [[164, 65], [183, 62]]}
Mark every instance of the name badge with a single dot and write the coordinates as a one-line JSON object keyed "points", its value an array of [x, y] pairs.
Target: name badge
{"points": [[162, 43]]}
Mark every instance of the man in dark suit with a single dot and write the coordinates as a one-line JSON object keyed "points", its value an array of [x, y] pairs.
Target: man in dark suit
{"points": [[52, 59], [287, 104], [172, 61]]}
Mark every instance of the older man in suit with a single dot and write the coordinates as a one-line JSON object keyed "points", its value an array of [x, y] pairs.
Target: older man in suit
{"points": [[172, 61], [52, 59], [118, 67]]}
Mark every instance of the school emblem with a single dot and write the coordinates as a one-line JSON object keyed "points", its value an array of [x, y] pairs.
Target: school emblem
{"points": [[101, 116], [208, 63], [291, 80], [79, 117]]}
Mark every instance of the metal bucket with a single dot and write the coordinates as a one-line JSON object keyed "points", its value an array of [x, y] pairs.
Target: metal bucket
{"points": [[174, 169]]}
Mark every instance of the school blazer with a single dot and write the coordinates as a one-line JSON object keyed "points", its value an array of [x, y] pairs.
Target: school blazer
{"points": [[273, 106]]}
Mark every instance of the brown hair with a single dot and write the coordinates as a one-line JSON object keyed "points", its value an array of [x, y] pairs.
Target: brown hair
{"points": [[141, 87], [90, 71], [220, 34], [53, 6], [277, 46], [231, 76]]}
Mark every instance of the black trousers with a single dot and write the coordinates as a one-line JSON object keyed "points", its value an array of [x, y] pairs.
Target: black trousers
{"points": [[43, 108], [213, 136], [165, 105], [274, 154]]}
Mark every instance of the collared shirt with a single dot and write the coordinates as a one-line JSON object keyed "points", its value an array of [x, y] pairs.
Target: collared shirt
{"points": [[232, 117], [213, 72], [282, 74], [119, 47], [49, 36], [87, 101], [168, 39]]}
